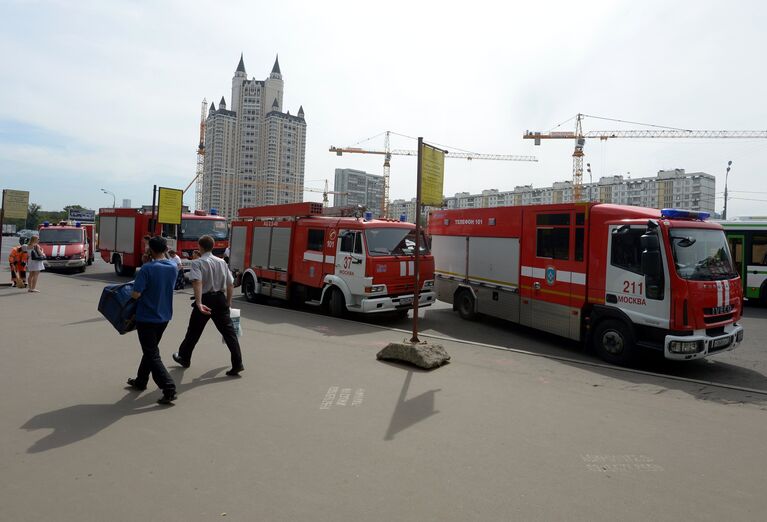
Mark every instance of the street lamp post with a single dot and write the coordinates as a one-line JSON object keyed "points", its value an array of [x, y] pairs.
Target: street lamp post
{"points": [[726, 175], [591, 184], [114, 201]]}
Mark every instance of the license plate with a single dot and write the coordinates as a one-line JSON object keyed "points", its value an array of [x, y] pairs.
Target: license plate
{"points": [[406, 301], [719, 343]]}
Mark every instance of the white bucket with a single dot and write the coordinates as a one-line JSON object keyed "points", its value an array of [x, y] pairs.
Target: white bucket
{"points": [[234, 314]]}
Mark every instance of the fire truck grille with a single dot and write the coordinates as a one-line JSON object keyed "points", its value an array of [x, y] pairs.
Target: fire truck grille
{"points": [[712, 319], [400, 288]]}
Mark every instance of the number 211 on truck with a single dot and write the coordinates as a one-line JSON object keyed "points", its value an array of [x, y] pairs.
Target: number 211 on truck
{"points": [[624, 279]]}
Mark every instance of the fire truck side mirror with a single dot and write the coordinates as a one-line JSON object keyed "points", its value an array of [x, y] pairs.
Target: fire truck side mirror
{"points": [[652, 265]]}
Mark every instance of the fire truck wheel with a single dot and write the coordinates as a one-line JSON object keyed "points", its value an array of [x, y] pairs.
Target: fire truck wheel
{"points": [[249, 289], [336, 303], [464, 303], [121, 269], [613, 342]]}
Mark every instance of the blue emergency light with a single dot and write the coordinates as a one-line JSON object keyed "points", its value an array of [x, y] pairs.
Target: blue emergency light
{"points": [[368, 216], [403, 217], [46, 224], [78, 224], [675, 213], [214, 212]]}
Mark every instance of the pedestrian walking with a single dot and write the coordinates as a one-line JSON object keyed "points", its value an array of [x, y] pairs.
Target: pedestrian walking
{"points": [[153, 289], [35, 263], [213, 286], [18, 260], [173, 256]]}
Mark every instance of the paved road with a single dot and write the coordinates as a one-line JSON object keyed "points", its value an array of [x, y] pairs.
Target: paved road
{"points": [[317, 429]]}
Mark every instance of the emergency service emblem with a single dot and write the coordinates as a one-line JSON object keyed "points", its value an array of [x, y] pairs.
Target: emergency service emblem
{"points": [[551, 275]]}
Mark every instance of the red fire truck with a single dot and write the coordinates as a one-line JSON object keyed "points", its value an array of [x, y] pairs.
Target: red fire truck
{"points": [[295, 252], [622, 278], [121, 232], [67, 245]]}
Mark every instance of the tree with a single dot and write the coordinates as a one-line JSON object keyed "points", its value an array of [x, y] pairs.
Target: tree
{"points": [[33, 216], [73, 207]]}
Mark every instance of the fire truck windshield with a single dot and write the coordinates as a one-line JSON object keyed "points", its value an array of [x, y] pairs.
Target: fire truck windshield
{"points": [[61, 236], [393, 242], [193, 229], [701, 254]]}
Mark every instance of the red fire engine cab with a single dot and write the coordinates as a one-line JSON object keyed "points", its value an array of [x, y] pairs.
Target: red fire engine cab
{"points": [[623, 278], [294, 252], [67, 245], [121, 233]]}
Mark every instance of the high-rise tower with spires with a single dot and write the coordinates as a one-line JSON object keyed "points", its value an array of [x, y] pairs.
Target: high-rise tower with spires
{"points": [[265, 160]]}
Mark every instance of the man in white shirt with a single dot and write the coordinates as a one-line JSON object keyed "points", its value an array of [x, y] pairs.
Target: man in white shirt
{"points": [[213, 286]]}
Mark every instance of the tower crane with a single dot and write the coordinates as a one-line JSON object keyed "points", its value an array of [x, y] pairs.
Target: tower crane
{"points": [[388, 152], [658, 131], [325, 193], [200, 159]]}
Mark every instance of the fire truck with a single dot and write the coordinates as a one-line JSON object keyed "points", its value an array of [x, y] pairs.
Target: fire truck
{"points": [[121, 233], [621, 278], [67, 245], [296, 252]]}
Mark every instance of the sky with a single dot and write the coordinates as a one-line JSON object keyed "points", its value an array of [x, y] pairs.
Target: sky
{"points": [[106, 95]]}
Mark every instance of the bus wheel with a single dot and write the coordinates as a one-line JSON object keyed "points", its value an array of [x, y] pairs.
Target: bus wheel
{"points": [[464, 303], [249, 289], [336, 303], [613, 342]]}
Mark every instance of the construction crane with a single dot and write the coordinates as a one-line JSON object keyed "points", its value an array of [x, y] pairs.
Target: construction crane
{"points": [[388, 152], [658, 131], [325, 193], [198, 177]]}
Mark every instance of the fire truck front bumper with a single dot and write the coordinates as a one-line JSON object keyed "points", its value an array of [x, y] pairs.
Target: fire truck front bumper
{"points": [[53, 264], [699, 345], [400, 302]]}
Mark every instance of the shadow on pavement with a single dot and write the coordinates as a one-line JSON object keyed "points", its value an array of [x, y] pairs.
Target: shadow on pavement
{"points": [[409, 412], [86, 321], [75, 423]]}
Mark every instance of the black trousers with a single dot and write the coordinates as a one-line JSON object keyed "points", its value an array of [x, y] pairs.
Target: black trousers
{"points": [[219, 313], [149, 335]]}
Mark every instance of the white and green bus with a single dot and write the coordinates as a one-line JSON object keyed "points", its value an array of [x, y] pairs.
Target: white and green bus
{"points": [[748, 244]]}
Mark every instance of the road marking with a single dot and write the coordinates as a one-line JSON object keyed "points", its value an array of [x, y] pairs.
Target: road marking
{"points": [[340, 397], [620, 463]]}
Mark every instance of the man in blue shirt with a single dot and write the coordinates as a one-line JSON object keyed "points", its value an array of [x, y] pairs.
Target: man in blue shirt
{"points": [[153, 289]]}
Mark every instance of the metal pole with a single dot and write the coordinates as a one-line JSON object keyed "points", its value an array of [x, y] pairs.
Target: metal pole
{"points": [[2, 219], [152, 224], [417, 275], [726, 175]]}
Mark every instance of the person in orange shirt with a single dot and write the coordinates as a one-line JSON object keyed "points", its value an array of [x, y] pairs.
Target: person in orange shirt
{"points": [[18, 261]]}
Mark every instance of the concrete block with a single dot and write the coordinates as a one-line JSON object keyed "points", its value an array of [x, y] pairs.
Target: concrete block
{"points": [[423, 355]]}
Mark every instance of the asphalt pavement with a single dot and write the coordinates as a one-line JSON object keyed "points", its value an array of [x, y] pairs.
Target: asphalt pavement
{"points": [[318, 429]]}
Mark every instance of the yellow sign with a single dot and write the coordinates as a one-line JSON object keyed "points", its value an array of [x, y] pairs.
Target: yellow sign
{"points": [[432, 176], [169, 206], [15, 204]]}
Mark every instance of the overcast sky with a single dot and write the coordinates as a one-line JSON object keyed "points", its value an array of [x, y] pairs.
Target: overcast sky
{"points": [[107, 94]]}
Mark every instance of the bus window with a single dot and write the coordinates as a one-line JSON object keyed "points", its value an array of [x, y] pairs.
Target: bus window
{"points": [[758, 250]]}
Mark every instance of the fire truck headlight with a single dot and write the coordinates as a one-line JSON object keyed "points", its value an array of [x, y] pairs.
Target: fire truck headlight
{"points": [[685, 346], [429, 283], [375, 289]]}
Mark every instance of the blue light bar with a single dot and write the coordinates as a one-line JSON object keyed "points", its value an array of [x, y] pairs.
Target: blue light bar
{"points": [[675, 213], [214, 212], [46, 224], [78, 224]]}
